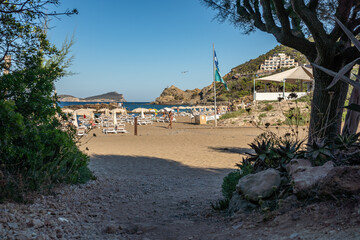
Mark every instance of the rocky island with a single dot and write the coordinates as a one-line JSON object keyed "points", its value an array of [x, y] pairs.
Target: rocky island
{"points": [[107, 97]]}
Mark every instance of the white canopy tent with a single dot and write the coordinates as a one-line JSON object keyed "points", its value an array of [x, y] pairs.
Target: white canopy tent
{"points": [[302, 73]]}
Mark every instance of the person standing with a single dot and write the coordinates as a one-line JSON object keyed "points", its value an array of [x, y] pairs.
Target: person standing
{"points": [[170, 119]]}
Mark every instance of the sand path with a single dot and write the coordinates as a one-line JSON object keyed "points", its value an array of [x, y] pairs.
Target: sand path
{"points": [[165, 179]]}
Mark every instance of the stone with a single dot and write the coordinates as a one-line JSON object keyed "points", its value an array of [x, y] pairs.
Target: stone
{"points": [[13, 225], [36, 223], [291, 202], [306, 180], [297, 165], [342, 180], [260, 185], [237, 203], [111, 229]]}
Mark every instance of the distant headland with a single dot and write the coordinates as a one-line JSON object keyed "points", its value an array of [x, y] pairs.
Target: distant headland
{"points": [[107, 97]]}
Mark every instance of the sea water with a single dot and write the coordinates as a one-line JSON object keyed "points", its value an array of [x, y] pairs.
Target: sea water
{"points": [[128, 105]]}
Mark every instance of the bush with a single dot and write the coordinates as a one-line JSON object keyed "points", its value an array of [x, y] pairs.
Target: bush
{"points": [[35, 154], [232, 114], [229, 184], [36, 157], [268, 107]]}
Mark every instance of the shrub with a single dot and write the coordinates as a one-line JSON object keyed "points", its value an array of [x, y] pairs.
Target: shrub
{"points": [[229, 184], [36, 157], [232, 114], [268, 107], [35, 154]]}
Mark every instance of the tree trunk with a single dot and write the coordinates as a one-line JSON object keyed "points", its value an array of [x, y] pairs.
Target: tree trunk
{"points": [[326, 106], [352, 117]]}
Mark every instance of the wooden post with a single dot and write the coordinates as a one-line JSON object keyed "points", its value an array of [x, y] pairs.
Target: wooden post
{"points": [[135, 126]]}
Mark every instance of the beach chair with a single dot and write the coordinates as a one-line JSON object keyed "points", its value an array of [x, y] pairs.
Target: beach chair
{"points": [[81, 132], [109, 130]]}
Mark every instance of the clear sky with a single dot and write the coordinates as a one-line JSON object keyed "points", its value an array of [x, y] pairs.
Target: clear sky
{"points": [[140, 47]]}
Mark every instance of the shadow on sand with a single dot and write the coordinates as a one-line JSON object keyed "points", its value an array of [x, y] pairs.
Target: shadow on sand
{"points": [[233, 150]]}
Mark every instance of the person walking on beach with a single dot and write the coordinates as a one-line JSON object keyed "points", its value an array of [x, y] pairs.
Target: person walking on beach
{"points": [[170, 119]]}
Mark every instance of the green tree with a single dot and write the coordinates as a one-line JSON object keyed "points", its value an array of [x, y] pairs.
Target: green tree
{"points": [[35, 154], [309, 27]]}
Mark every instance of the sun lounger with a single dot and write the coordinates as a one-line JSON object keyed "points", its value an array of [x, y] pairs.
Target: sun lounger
{"points": [[109, 130]]}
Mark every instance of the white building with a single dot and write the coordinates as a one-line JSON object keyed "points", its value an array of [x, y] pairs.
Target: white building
{"points": [[277, 61]]}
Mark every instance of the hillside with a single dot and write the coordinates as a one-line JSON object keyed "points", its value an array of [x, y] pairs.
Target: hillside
{"points": [[107, 97], [251, 66], [239, 81], [110, 95]]}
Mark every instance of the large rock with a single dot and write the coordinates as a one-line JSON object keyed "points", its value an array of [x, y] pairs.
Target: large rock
{"points": [[297, 165], [238, 203], [260, 185], [340, 181], [306, 180]]}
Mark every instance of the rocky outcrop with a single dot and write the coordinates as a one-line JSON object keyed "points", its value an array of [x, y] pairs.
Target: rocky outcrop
{"points": [[340, 181], [305, 177], [107, 97], [174, 95], [260, 185]]}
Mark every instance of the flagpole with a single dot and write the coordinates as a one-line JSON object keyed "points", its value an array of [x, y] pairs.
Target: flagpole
{"points": [[215, 122]]}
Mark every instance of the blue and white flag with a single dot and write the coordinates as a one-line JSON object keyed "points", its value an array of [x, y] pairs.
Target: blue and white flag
{"points": [[218, 77]]}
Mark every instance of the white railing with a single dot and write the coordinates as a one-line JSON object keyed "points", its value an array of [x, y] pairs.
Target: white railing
{"points": [[270, 96]]}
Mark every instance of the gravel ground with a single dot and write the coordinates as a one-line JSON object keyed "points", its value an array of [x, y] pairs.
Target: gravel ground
{"points": [[146, 192]]}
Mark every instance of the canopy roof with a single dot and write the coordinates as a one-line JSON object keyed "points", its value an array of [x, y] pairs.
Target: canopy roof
{"points": [[297, 73]]}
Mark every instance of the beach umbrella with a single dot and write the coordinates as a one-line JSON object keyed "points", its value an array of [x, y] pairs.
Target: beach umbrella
{"points": [[142, 114], [119, 110], [138, 110], [168, 109], [75, 121], [114, 117]]}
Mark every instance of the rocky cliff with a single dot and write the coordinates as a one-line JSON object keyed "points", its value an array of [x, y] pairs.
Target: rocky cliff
{"points": [[173, 95]]}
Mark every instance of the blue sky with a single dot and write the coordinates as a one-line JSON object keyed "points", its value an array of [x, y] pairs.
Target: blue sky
{"points": [[138, 48]]}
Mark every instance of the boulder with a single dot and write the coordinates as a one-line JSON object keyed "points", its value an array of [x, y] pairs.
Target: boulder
{"points": [[306, 180], [340, 181], [260, 185], [238, 203], [297, 165]]}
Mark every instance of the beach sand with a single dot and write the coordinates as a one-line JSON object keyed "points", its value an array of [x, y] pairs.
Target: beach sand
{"points": [[198, 146]]}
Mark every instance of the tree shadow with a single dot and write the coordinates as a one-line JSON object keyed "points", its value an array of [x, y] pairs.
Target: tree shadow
{"points": [[233, 150], [122, 164]]}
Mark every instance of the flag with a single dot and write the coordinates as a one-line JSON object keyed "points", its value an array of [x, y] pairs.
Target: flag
{"points": [[218, 77]]}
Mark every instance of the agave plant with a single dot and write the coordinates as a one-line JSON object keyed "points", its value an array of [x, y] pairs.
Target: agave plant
{"points": [[319, 152], [346, 141], [286, 153], [263, 154]]}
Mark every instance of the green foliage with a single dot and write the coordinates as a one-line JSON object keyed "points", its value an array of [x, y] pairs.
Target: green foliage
{"points": [[346, 141], [35, 154], [273, 152], [319, 152], [232, 114], [262, 115], [254, 64], [229, 184], [296, 117], [221, 204], [268, 107]]}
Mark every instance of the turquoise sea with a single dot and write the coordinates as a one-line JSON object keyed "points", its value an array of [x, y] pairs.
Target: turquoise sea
{"points": [[128, 105]]}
